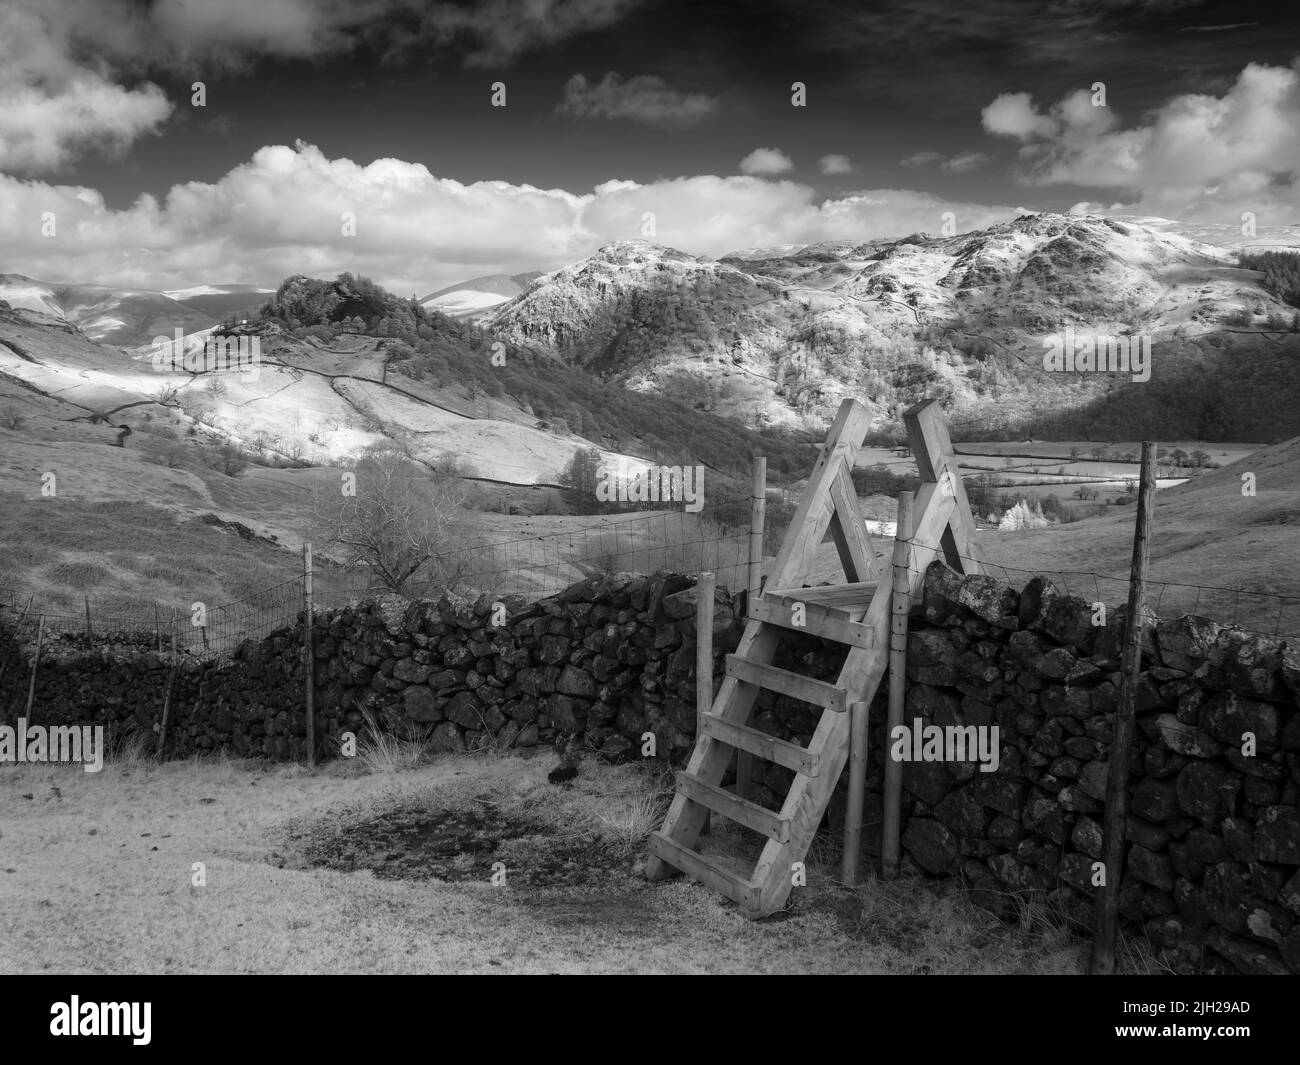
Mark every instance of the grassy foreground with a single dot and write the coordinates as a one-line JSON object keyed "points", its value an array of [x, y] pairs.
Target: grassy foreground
{"points": [[97, 876]]}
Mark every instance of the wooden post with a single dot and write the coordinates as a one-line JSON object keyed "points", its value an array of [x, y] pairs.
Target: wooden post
{"points": [[174, 628], [704, 592], [757, 518], [167, 701], [757, 512], [893, 797], [309, 658], [1102, 959], [36, 661], [857, 791], [89, 631], [157, 626]]}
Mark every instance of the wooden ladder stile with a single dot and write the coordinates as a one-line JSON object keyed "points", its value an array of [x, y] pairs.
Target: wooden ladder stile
{"points": [[856, 613]]}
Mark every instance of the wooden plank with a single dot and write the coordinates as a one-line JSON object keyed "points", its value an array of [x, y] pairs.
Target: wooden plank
{"points": [[757, 513], [710, 759], [846, 597], [817, 692], [849, 531], [779, 752], [809, 796], [1101, 960], [742, 811], [901, 602], [812, 516], [932, 447], [817, 620], [669, 852], [704, 597], [857, 791]]}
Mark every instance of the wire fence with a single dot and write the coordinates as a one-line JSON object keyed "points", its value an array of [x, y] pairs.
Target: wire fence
{"points": [[1256, 611], [533, 566], [542, 564]]}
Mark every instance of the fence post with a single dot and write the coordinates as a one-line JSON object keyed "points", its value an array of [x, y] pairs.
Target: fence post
{"points": [[857, 791], [704, 593], [174, 627], [757, 517], [36, 662], [757, 512], [1102, 959], [157, 626], [309, 659], [889, 845], [167, 701], [89, 632]]}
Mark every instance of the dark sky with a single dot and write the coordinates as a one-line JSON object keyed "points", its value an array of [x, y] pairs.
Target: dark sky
{"points": [[885, 81], [917, 110]]}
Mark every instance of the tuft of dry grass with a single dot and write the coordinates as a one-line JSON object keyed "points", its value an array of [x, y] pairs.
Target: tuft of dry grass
{"points": [[380, 751]]}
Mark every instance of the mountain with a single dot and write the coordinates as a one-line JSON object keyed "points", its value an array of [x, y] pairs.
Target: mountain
{"points": [[779, 336], [221, 301], [119, 316], [471, 299]]}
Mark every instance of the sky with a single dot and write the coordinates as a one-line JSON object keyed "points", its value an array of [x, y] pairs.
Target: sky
{"points": [[422, 143]]}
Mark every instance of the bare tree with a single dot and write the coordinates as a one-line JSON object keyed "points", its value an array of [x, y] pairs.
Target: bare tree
{"points": [[401, 522]]}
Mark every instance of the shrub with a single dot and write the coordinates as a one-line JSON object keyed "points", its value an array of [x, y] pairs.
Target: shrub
{"points": [[230, 459]]}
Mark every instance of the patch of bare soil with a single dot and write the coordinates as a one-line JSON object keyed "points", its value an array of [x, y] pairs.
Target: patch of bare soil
{"points": [[414, 842]]}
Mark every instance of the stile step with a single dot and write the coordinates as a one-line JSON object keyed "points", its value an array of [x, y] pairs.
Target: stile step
{"points": [[817, 692], [817, 620], [698, 867], [742, 737], [742, 811]]}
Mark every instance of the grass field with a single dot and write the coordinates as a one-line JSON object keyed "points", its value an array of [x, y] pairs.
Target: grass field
{"points": [[366, 866]]}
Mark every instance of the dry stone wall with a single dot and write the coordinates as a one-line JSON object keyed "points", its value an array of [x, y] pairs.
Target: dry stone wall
{"points": [[1212, 876]]}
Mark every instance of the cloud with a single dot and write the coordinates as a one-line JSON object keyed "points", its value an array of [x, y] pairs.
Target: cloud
{"points": [[956, 164], [766, 162], [281, 213], [1197, 156], [73, 73], [644, 98], [921, 159], [1012, 115], [502, 30], [960, 164], [835, 164]]}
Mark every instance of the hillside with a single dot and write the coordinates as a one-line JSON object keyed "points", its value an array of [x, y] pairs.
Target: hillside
{"points": [[780, 336], [220, 301], [123, 317], [473, 299]]}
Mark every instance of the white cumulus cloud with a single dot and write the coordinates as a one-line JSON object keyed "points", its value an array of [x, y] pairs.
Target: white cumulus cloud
{"points": [[765, 162], [282, 211]]}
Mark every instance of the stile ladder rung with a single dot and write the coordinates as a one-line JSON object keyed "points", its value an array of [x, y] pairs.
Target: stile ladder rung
{"points": [[817, 692], [742, 811], [817, 620], [698, 867], [779, 752]]}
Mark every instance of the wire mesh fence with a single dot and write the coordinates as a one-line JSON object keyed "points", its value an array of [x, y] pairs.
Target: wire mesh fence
{"points": [[542, 564], [1257, 611], [534, 566]]}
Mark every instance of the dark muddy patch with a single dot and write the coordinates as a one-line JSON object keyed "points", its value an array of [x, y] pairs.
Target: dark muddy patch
{"points": [[465, 844]]}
